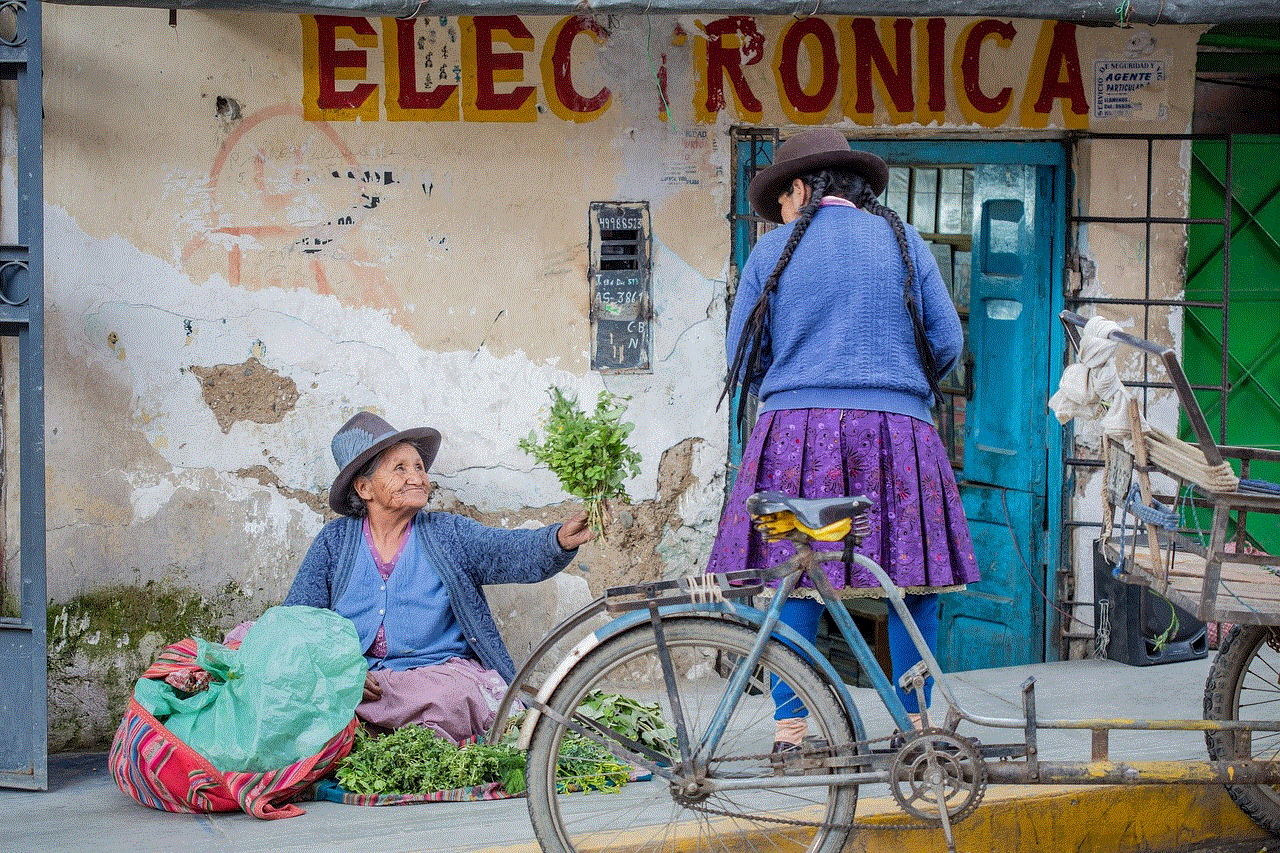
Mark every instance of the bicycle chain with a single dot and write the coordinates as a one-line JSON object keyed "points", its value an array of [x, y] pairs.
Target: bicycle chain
{"points": [[857, 824]]}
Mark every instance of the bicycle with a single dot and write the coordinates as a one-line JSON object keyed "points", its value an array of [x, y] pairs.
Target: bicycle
{"points": [[705, 660]]}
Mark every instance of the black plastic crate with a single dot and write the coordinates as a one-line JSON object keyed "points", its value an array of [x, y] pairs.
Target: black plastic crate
{"points": [[1136, 617]]}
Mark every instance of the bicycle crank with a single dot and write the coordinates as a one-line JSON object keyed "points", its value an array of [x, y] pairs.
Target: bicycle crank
{"points": [[938, 776]]}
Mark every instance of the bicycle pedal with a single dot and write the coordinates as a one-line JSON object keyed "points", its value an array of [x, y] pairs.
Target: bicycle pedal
{"points": [[783, 756]]}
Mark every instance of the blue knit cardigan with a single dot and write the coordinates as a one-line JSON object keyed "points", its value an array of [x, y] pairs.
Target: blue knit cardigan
{"points": [[839, 334], [467, 555]]}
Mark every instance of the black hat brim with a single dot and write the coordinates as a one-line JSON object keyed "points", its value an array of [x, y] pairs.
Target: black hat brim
{"points": [[769, 183]]}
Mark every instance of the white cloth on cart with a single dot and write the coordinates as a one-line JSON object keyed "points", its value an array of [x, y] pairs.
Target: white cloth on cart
{"points": [[1091, 387]]}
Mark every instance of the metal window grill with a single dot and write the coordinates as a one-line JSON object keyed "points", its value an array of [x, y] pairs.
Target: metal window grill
{"points": [[1142, 307]]}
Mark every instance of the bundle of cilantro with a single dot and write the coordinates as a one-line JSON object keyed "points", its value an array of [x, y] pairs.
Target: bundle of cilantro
{"points": [[588, 453]]}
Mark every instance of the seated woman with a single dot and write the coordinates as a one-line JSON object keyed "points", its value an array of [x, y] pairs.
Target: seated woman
{"points": [[410, 581]]}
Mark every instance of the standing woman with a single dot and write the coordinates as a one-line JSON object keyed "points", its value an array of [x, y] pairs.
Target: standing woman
{"points": [[842, 327]]}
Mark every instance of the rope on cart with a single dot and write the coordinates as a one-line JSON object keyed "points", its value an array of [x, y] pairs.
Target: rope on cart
{"points": [[1159, 515], [1187, 461]]}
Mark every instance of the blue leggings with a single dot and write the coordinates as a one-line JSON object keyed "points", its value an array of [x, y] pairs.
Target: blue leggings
{"points": [[804, 614]]}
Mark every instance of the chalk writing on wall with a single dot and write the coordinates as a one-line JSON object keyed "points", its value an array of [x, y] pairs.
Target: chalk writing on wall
{"points": [[621, 290], [491, 69]]}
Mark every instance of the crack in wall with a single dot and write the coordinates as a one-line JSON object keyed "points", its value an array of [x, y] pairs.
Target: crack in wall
{"points": [[266, 477]]}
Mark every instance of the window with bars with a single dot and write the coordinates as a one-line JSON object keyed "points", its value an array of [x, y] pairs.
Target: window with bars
{"points": [[938, 201]]}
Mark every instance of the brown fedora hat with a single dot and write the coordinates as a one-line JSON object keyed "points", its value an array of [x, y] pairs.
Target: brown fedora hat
{"points": [[363, 437], [811, 151]]}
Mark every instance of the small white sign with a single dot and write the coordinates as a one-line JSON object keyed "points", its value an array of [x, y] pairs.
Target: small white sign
{"points": [[1129, 89]]}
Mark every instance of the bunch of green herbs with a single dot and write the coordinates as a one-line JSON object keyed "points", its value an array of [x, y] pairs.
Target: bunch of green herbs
{"points": [[588, 453], [642, 722], [585, 766], [415, 760]]}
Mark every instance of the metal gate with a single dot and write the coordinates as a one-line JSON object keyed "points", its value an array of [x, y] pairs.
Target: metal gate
{"points": [[23, 701], [1233, 347], [1231, 342]]}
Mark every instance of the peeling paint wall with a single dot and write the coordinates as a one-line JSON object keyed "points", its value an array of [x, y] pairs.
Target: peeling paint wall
{"points": [[228, 281]]}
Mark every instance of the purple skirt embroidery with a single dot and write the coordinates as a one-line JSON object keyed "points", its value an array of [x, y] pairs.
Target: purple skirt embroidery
{"points": [[919, 534]]}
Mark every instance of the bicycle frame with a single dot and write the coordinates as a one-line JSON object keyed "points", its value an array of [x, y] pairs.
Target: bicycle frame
{"points": [[656, 602]]}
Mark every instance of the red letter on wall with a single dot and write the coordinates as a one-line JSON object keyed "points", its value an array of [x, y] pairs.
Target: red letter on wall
{"points": [[932, 62], [731, 44], [326, 101], [988, 111], [557, 71], [1059, 63], [871, 65], [405, 101], [799, 103], [483, 67]]}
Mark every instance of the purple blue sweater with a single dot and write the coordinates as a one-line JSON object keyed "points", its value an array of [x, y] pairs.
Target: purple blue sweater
{"points": [[839, 333], [466, 554]]}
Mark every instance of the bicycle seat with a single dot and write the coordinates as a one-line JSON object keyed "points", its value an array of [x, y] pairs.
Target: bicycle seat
{"points": [[814, 513]]}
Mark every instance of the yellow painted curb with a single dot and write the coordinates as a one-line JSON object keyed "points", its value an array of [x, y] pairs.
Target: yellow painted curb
{"points": [[1052, 819], [1021, 819]]}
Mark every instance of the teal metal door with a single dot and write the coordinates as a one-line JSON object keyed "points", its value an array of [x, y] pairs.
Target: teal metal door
{"points": [[994, 215], [1000, 621]]}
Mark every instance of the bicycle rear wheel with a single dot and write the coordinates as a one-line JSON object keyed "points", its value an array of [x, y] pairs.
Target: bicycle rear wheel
{"points": [[571, 815], [1244, 683]]}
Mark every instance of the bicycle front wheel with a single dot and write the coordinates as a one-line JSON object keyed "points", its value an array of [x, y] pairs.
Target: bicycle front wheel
{"points": [[576, 807], [1244, 683]]}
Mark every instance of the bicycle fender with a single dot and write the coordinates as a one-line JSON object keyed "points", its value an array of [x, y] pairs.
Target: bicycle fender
{"points": [[747, 616]]}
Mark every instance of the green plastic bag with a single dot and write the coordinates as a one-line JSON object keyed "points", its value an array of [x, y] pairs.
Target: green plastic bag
{"points": [[292, 685]]}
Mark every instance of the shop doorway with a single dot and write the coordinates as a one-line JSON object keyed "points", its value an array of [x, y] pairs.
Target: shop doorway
{"points": [[994, 215]]}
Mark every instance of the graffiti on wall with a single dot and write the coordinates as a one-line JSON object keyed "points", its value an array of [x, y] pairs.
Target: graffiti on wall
{"points": [[815, 70]]}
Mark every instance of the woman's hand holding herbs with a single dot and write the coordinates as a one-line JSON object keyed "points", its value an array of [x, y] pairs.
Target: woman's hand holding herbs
{"points": [[574, 532]]}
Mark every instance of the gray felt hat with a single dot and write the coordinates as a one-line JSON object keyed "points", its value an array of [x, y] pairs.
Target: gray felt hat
{"points": [[364, 437]]}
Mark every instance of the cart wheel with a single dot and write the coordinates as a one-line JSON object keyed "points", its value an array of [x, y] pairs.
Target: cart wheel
{"points": [[1246, 675]]}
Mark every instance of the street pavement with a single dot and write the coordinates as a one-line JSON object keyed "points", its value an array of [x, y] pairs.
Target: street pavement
{"points": [[84, 811]]}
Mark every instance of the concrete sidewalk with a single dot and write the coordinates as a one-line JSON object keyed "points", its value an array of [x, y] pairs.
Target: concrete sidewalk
{"points": [[84, 811]]}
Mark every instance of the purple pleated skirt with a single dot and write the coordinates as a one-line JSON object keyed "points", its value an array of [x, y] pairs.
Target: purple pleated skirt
{"points": [[919, 534]]}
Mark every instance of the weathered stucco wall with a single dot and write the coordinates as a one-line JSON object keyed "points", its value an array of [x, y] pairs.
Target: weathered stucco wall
{"points": [[236, 264]]}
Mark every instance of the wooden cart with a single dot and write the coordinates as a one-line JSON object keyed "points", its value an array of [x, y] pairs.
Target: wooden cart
{"points": [[1157, 488]]}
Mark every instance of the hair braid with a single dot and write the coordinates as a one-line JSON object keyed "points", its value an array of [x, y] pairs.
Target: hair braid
{"points": [[752, 345], [870, 203]]}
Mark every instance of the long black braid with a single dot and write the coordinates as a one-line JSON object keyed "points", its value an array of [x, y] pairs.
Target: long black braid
{"points": [[752, 343], [870, 203]]}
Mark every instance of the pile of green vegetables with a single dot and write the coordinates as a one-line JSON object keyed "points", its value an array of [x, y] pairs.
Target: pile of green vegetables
{"points": [[414, 760], [588, 453], [639, 721]]}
